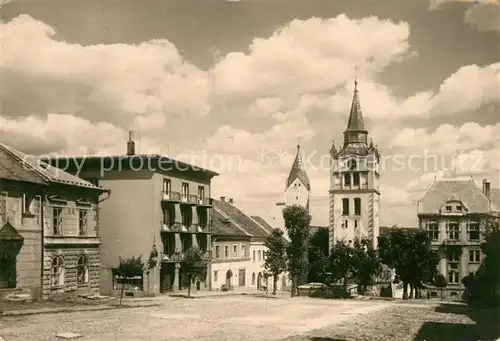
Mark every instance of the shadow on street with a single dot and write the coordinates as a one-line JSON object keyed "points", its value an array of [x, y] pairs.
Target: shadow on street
{"points": [[486, 325]]}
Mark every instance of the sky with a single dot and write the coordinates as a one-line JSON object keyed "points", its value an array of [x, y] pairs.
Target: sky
{"points": [[234, 86]]}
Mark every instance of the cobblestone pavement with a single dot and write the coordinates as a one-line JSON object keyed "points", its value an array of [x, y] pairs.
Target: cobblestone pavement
{"points": [[218, 318]]}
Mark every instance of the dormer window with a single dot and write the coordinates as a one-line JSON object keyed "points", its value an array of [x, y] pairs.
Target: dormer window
{"points": [[459, 208], [448, 208]]}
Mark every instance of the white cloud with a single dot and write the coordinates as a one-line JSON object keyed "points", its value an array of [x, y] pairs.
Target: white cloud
{"points": [[311, 55], [482, 15], [121, 81]]}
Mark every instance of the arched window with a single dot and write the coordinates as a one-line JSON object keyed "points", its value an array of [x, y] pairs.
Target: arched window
{"points": [[82, 271], [253, 278], [357, 206], [345, 206], [57, 272]]}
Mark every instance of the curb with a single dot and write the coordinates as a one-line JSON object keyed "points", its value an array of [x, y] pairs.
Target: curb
{"points": [[15, 313]]}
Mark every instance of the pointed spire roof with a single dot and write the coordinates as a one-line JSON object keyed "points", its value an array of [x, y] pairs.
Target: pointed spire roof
{"points": [[356, 122], [333, 149], [298, 171]]}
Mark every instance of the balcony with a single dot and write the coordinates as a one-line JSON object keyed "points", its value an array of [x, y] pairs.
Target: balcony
{"points": [[175, 257], [189, 199], [204, 202], [170, 196]]}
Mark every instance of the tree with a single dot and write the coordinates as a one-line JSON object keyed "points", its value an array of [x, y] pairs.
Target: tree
{"points": [[366, 264], [440, 282], [410, 254], [318, 257], [297, 221], [275, 261], [342, 261], [193, 265], [128, 268]]}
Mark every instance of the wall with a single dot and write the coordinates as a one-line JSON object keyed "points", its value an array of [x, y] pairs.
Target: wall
{"points": [[29, 257], [234, 262], [296, 194]]}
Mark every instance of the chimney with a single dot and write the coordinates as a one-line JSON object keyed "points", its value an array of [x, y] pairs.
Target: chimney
{"points": [[486, 188], [231, 200], [130, 144], [223, 199]]}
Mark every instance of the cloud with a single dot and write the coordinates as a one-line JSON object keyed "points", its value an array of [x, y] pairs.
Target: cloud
{"points": [[120, 82], [482, 15], [311, 55]]}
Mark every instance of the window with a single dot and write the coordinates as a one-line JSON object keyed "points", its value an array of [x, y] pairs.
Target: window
{"points": [[453, 231], [459, 208], [235, 250], [57, 221], [357, 206], [253, 256], [448, 208], [433, 230], [243, 251], [253, 278], [355, 179], [346, 224], [260, 256], [352, 165], [226, 251], [202, 242], [186, 241], [355, 224], [26, 204], [473, 230], [216, 275], [82, 222], [57, 272], [347, 179], [201, 192], [453, 274], [217, 251], [185, 190], [474, 256], [186, 216], [169, 215], [454, 257], [167, 186], [82, 271], [345, 206]]}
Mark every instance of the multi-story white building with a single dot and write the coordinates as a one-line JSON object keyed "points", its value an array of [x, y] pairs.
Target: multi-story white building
{"points": [[354, 204]]}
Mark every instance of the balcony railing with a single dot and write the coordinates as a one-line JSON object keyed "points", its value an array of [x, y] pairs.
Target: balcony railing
{"points": [[193, 199], [204, 201], [170, 196]]}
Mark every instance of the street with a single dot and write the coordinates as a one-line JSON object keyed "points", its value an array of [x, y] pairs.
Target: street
{"points": [[216, 318]]}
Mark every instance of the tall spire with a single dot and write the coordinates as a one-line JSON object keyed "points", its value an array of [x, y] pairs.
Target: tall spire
{"points": [[356, 122], [298, 171]]}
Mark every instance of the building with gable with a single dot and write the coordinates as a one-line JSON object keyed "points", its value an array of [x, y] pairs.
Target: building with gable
{"points": [[49, 231], [354, 196], [453, 212], [297, 192], [236, 233]]}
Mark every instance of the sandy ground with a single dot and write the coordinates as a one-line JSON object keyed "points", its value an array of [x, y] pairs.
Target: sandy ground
{"points": [[217, 318]]}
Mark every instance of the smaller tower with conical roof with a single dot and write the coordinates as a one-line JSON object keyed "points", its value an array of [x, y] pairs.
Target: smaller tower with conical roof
{"points": [[298, 186]]}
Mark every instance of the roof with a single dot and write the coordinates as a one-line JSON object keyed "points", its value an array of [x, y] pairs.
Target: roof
{"points": [[298, 172], [356, 122], [161, 162], [465, 191], [11, 168], [223, 226], [45, 171], [240, 219], [495, 198], [8, 232], [387, 229], [263, 223]]}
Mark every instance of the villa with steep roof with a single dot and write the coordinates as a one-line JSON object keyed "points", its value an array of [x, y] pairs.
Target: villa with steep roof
{"points": [[354, 204], [49, 231], [453, 212]]}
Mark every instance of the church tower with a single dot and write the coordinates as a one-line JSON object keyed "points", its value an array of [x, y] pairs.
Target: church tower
{"points": [[297, 192], [354, 199], [298, 186]]}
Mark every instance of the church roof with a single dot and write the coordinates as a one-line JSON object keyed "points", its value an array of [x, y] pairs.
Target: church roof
{"points": [[356, 122], [298, 172], [8, 232], [465, 191]]}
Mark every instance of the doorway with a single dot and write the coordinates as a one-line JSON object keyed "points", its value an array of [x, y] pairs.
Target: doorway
{"points": [[7, 271], [229, 276], [259, 281]]}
